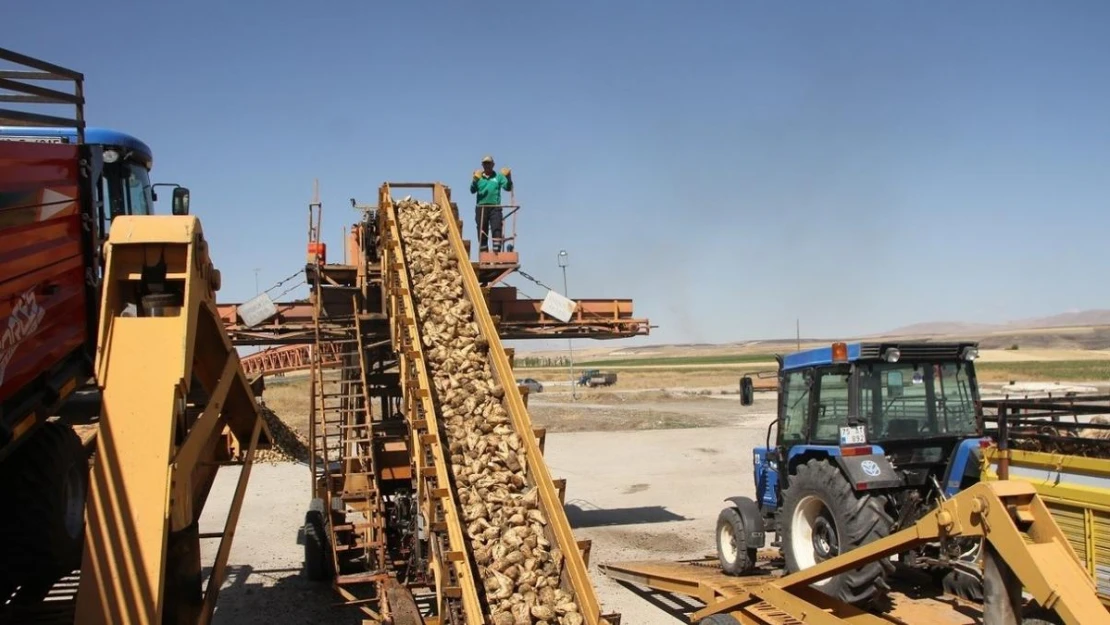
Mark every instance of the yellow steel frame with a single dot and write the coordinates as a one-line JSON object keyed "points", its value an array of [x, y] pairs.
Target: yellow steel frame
{"points": [[156, 457], [1092, 503], [1008, 515]]}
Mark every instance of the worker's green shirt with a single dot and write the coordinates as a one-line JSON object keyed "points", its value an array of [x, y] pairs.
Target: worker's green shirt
{"points": [[488, 190]]}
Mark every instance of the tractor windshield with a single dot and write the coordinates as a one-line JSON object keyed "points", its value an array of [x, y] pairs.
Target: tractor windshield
{"points": [[918, 400]]}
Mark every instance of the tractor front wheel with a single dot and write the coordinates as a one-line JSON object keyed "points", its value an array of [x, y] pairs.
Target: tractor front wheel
{"points": [[822, 517], [732, 551]]}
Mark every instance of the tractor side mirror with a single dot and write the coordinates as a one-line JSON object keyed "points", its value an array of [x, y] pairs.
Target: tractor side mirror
{"points": [[747, 391], [180, 201], [894, 385]]}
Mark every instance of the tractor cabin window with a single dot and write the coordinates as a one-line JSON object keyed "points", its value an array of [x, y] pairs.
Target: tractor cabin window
{"points": [[796, 400], [832, 405], [916, 400]]}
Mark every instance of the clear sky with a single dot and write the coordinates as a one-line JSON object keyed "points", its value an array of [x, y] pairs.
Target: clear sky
{"points": [[729, 165]]}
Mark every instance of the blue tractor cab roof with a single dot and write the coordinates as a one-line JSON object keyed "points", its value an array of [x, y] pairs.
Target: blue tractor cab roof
{"points": [[93, 135], [853, 352]]}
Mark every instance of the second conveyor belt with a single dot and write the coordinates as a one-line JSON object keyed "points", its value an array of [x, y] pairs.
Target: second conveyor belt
{"points": [[502, 550]]}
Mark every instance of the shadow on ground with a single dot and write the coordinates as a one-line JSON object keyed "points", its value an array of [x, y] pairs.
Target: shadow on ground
{"points": [[279, 597], [584, 514]]}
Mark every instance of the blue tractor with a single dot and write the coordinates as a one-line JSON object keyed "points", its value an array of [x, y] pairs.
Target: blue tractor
{"points": [[868, 438]]}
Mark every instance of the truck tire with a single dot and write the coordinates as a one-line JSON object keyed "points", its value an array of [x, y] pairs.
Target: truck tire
{"points": [[317, 550], [43, 486], [734, 556], [822, 516]]}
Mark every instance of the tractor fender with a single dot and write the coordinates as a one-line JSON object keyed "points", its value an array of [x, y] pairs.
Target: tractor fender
{"points": [[753, 521], [964, 463], [867, 472]]}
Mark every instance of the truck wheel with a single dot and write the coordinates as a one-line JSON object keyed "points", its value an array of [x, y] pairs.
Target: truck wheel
{"points": [[43, 487], [822, 517], [735, 558], [317, 551]]}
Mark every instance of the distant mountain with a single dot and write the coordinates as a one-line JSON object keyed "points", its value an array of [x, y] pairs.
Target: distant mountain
{"points": [[1069, 319], [1074, 318], [941, 328]]}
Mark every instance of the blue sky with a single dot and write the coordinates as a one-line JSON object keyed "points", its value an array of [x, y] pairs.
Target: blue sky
{"points": [[729, 165]]}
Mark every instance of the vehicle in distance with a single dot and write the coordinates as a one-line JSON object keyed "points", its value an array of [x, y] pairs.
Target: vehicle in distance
{"points": [[595, 377], [533, 386]]}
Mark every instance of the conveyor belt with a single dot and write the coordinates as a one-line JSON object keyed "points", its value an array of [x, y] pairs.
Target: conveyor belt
{"points": [[460, 578]]}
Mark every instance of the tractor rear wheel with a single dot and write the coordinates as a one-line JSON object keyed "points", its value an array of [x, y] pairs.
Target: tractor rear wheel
{"points": [[822, 517]]}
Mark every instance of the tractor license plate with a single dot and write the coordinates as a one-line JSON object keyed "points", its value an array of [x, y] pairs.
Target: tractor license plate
{"points": [[853, 435]]}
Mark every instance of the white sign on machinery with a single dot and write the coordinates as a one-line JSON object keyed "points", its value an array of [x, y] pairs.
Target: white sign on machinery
{"points": [[562, 308], [256, 310]]}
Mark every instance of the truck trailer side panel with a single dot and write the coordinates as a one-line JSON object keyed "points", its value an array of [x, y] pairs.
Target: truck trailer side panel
{"points": [[43, 292]]}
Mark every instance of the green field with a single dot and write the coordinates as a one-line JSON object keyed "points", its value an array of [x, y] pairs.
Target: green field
{"points": [[1046, 371], [676, 361], [1041, 371]]}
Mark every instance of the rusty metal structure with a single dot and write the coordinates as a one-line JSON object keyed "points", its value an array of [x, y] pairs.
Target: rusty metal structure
{"points": [[1024, 549], [385, 518]]}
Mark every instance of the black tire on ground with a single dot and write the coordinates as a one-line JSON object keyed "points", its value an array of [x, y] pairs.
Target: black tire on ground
{"points": [[719, 619], [735, 558], [820, 498], [962, 584], [43, 488], [1036, 615], [317, 552]]}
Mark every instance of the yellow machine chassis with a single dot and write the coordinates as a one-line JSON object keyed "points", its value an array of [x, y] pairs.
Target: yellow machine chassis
{"points": [[176, 407]]}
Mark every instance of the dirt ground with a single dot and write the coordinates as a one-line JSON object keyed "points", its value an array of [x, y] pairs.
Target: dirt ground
{"points": [[646, 474]]}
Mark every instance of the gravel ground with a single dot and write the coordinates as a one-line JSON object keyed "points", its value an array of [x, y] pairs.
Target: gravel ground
{"points": [[645, 494]]}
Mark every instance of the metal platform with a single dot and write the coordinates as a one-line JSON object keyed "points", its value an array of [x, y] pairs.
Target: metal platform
{"points": [[672, 585]]}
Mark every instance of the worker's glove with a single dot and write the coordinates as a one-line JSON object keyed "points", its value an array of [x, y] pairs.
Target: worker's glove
{"points": [[477, 174], [505, 171]]}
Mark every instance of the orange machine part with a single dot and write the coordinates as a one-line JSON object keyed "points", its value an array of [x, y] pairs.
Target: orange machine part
{"points": [[316, 250]]}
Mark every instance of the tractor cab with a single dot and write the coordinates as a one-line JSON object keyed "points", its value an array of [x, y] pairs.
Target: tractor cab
{"points": [[911, 404], [867, 438]]}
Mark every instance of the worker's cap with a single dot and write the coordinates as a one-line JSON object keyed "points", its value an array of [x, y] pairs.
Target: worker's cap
{"points": [[487, 159]]}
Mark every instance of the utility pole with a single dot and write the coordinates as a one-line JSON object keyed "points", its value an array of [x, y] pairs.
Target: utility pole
{"points": [[564, 259], [256, 270], [798, 333]]}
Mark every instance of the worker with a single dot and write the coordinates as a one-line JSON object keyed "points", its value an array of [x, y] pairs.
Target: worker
{"points": [[487, 185]]}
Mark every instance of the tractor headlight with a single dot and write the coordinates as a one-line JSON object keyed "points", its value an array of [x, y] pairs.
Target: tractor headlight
{"points": [[892, 354], [970, 353]]}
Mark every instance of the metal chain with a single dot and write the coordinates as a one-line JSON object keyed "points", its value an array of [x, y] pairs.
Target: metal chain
{"points": [[529, 277], [286, 291], [283, 281]]}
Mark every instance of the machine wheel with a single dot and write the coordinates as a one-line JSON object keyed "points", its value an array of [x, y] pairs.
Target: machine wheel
{"points": [[317, 551], [962, 584], [719, 619], [43, 487], [822, 517], [735, 558], [1034, 614]]}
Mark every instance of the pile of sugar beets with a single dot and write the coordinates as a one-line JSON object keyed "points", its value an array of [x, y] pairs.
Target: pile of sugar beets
{"points": [[519, 568]]}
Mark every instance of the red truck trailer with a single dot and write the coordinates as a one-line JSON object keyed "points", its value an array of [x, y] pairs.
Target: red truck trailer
{"points": [[60, 185]]}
